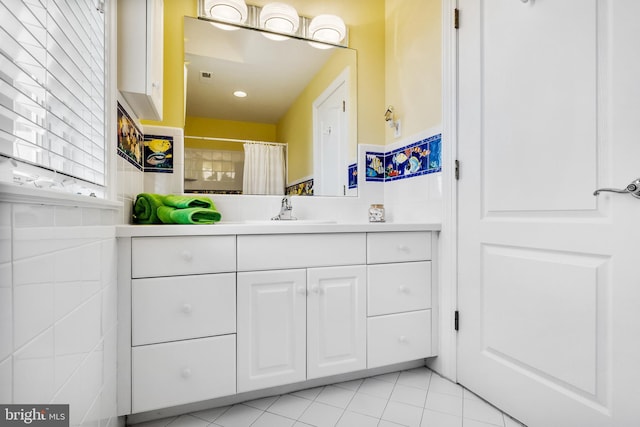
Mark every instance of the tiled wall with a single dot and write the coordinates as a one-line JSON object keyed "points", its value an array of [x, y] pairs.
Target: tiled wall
{"points": [[58, 309]]}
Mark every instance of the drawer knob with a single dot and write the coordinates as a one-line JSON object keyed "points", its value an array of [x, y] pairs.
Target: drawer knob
{"points": [[403, 248], [187, 308], [186, 372], [402, 339], [187, 256], [403, 289]]}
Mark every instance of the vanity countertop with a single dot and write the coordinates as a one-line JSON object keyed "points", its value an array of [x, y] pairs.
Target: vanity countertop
{"points": [[270, 227]]}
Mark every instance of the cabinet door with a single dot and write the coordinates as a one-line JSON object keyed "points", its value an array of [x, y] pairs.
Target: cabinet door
{"points": [[271, 328], [336, 320]]}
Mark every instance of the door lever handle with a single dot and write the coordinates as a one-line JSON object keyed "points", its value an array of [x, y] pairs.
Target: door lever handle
{"points": [[633, 188]]}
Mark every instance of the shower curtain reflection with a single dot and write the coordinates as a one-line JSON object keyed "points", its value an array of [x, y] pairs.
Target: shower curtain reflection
{"points": [[264, 168]]}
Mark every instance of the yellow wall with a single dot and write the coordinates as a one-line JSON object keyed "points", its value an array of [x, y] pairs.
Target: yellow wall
{"points": [[296, 126], [202, 126], [413, 64], [365, 19]]}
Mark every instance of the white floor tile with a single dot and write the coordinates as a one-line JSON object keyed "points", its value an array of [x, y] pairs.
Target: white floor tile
{"points": [[211, 414], [309, 393], [481, 411], [510, 422], [439, 419], [367, 405], [388, 400], [444, 403], [390, 378], [272, 420], [238, 416], [263, 403], [321, 415], [335, 396], [468, 422], [289, 406], [469, 395], [409, 395], [376, 388], [418, 378], [350, 385], [157, 423], [188, 421], [385, 423], [403, 414], [353, 419], [444, 386]]}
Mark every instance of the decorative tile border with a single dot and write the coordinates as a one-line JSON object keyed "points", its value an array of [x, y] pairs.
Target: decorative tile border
{"points": [[352, 177], [416, 159], [304, 188]]}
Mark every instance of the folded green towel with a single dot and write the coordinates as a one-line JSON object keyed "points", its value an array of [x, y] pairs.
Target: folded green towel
{"points": [[171, 215], [182, 202], [145, 208]]}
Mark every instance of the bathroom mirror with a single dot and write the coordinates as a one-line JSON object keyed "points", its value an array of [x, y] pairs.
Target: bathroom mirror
{"points": [[282, 79]]}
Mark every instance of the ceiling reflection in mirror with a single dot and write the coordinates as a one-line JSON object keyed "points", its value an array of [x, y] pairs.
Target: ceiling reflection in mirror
{"points": [[282, 80]]}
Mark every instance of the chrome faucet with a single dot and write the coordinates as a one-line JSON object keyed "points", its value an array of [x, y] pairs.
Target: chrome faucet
{"points": [[285, 210]]}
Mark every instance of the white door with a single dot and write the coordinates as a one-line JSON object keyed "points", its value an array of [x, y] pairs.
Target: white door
{"points": [[330, 140], [336, 320], [549, 289], [271, 328]]}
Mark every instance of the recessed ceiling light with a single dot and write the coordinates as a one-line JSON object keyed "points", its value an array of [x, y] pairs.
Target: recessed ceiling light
{"points": [[240, 94]]}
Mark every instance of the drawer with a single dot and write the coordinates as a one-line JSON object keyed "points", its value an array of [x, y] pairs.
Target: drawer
{"points": [[283, 251], [398, 338], [181, 372], [398, 246], [395, 288], [175, 308], [177, 256]]}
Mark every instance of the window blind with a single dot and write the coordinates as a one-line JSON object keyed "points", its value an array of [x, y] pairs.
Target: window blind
{"points": [[52, 93]]}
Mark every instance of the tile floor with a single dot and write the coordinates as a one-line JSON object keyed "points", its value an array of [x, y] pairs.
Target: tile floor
{"points": [[416, 397]]}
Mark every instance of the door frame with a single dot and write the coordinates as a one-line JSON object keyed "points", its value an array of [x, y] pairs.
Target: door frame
{"points": [[446, 362], [342, 78]]}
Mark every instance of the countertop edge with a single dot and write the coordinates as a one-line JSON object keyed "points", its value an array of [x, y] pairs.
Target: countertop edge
{"points": [[221, 229]]}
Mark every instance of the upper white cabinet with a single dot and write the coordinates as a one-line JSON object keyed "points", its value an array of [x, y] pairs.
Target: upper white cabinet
{"points": [[140, 56]]}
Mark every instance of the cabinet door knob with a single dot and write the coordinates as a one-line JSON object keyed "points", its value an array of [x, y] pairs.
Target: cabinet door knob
{"points": [[186, 372], [186, 255], [402, 339], [302, 290], [315, 289], [187, 308], [403, 289]]}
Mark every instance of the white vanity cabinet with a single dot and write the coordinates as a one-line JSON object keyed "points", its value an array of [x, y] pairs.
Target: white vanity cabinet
{"points": [[300, 323], [399, 278], [181, 330], [140, 56], [227, 311]]}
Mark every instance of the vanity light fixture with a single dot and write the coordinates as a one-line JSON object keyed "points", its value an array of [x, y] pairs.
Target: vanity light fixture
{"points": [[279, 18], [327, 29], [231, 11]]}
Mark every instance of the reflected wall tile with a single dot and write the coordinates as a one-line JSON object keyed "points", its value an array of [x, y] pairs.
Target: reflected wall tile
{"points": [[33, 370]]}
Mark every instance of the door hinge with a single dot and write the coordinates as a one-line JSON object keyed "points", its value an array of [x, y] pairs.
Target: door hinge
{"points": [[456, 18], [344, 106], [456, 320], [457, 170]]}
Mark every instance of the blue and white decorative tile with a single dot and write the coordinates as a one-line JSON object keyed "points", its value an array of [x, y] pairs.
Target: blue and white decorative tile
{"points": [[419, 158], [375, 166], [352, 177]]}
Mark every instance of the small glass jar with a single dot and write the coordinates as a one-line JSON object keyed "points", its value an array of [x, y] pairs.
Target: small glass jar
{"points": [[376, 213]]}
